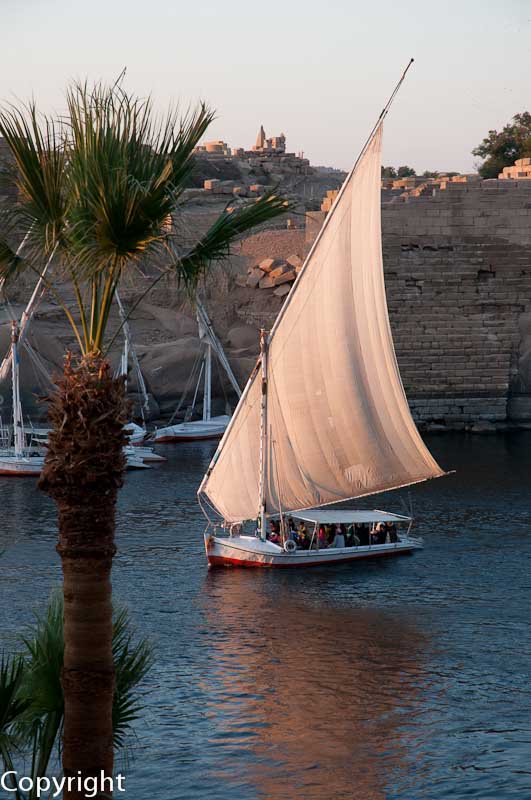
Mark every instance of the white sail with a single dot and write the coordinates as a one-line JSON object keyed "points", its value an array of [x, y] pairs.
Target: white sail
{"points": [[338, 422]]}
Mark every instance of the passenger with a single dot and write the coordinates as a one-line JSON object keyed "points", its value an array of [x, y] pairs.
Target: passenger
{"points": [[392, 532], [329, 531], [292, 531], [362, 532], [349, 537], [339, 538], [303, 540], [380, 533], [273, 535], [321, 538]]}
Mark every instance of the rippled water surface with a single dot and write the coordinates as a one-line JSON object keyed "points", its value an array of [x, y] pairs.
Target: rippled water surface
{"points": [[407, 678]]}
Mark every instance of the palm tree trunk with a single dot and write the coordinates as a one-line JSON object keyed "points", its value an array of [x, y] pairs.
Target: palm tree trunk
{"points": [[82, 473]]}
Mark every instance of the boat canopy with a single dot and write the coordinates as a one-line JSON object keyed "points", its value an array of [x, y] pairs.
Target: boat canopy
{"points": [[335, 517]]}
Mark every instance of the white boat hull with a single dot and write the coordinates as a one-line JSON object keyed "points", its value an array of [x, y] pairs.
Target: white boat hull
{"points": [[136, 433], [146, 454], [249, 551], [213, 428], [19, 467]]}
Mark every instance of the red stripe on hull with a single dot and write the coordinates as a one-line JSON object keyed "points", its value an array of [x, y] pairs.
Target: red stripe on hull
{"points": [[17, 473], [222, 561]]}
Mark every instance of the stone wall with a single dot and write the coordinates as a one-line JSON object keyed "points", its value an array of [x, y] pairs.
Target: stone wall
{"points": [[458, 278]]}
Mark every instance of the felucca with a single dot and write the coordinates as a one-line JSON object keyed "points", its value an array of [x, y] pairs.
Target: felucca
{"points": [[18, 460], [208, 427], [324, 417]]}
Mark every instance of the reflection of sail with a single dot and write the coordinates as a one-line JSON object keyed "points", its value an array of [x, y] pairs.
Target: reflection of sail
{"points": [[310, 696], [338, 422]]}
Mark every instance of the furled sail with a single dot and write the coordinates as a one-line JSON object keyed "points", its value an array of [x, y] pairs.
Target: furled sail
{"points": [[338, 422]]}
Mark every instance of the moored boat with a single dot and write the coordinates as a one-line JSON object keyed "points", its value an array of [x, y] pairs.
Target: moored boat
{"points": [[19, 460], [208, 427], [324, 417], [21, 466], [212, 428]]}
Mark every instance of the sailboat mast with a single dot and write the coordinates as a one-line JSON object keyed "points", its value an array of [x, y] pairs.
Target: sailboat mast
{"points": [[207, 398], [125, 360], [263, 434], [18, 429]]}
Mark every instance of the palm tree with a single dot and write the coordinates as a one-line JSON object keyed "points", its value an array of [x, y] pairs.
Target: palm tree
{"points": [[97, 190], [31, 695]]}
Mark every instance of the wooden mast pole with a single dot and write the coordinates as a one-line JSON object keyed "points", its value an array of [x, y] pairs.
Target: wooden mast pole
{"points": [[263, 434], [18, 430]]}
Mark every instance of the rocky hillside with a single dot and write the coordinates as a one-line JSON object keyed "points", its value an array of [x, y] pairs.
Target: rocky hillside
{"points": [[164, 328]]}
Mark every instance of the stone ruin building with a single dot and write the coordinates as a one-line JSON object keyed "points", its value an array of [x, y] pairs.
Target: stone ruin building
{"points": [[457, 260]]}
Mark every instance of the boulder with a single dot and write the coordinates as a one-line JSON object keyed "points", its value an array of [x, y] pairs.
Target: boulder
{"points": [[286, 277], [243, 337], [254, 278], [153, 411], [278, 271], [270, 263], [295, 262], [282, 291], [166, 368], [267, 282]]}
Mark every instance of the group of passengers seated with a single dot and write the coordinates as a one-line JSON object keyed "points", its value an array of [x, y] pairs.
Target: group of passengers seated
{"points": [[334, 535]]}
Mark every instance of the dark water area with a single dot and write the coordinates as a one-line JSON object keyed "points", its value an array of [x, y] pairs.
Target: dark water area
{"points": [[392, 680]]}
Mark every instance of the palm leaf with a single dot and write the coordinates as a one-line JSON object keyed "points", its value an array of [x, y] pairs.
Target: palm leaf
{"points": [[126, 174], [35, 144], [10, 263], [230, 226], [132, 661], [12, 708]]}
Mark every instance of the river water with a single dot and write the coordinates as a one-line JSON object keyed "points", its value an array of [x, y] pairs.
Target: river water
{"points": [[393, 680]]}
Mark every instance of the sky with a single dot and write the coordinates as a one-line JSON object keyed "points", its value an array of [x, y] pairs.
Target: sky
{"points": [[318, 71]]}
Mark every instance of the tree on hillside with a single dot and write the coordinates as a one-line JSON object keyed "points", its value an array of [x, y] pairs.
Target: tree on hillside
{"points": [[97, 190], [405, 172], [391, 174], [502, 149], [388, 173]]}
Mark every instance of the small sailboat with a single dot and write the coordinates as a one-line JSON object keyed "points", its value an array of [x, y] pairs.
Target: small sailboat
{"points": [[19, 460], [324, 417], [208, 427]]}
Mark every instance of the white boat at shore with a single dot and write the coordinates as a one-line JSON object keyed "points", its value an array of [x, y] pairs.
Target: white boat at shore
{"points": [[324, 417], [211, 428], [18, 460], [208, 427]]}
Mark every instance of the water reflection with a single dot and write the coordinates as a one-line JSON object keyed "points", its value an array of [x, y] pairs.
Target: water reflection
{"points": [[320, 694], [398, 680]]}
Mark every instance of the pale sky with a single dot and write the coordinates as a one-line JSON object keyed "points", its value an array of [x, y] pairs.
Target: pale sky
{"points": [[318, 71]]}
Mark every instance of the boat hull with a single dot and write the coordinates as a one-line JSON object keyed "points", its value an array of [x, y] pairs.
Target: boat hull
{"points": [[193, 431], [20, 468], [247, 551]]}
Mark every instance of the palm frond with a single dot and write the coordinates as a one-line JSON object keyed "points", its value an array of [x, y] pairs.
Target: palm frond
{"points": [[230, 226], [35, 144], [126, 171], [132, 661], [13, 706], [10, 263]]}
